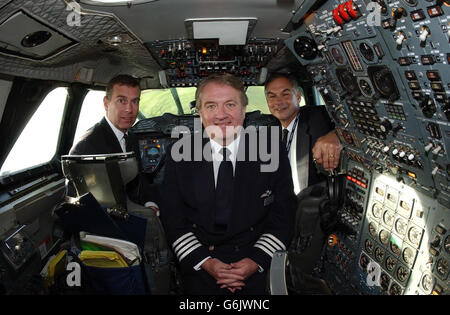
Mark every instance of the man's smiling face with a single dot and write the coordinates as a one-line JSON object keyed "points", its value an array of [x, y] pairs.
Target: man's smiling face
{"points": [[283, 100], [221, 111]]}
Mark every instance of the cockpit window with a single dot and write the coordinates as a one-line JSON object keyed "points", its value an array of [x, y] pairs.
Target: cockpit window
{"points": [[38, 141], [156, 102], [91, 113], [257, 100]]}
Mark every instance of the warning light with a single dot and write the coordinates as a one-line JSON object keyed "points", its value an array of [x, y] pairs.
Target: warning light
{"points": [[332, 240], [412, 175], [204, 50]]}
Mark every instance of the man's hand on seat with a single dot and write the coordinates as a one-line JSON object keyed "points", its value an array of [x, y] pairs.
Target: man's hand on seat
{"points": [[153, 206], [327, 150]]}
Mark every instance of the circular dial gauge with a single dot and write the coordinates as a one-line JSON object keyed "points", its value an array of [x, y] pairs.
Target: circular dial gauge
{"points": [[394, 246], [337, 55], [408, 256], [384, 83], [411, 3], [442, 267], [388, 218], [402, 274], [376, 210], [369, 246], [364, 262], [400, 226], [348, 81], [306, 48], [414, 235], [153, 152], [427, 282], [395, 289], [366, 51], [379, 254], [384, 281], [365, 88], [390, 263], [373, 229], [384, 237]]}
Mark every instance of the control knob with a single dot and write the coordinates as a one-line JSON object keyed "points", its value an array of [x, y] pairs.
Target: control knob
{"points": [[437, 150], [435, 170], [398, 13], [424, 34], [386, 126], [428, 147], [400, 38], [396, 129]]}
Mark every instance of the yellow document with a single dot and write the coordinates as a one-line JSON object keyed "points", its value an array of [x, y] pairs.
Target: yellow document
{"points": [[102, 259]]}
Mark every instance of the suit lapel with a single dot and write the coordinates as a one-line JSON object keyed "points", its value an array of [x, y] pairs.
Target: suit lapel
{"points": [[246, 171], [110, 140], [203, 179], [302, 151]]}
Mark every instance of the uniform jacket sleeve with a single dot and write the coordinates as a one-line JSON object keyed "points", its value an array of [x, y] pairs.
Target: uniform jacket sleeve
{"points": [[279, 224], [179, 231]]}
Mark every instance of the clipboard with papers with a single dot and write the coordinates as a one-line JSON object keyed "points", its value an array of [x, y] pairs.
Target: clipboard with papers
{"points": [[110, 247], [87, 215]]}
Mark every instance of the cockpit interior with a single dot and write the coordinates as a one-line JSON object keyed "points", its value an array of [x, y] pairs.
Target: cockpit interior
{"points": [[379, 67]]}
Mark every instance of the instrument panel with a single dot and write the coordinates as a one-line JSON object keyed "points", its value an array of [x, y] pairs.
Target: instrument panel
{"points": [[156, 134], [185, 62], [381, 68]]}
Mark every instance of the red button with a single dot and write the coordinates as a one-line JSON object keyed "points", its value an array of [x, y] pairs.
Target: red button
{"points": [[351, 9], [343, 13], [337, 18]]}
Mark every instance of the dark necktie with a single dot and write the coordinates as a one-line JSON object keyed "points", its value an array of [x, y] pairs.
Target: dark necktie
{"points": [[285, 136], [224, 190], [128, 147]]}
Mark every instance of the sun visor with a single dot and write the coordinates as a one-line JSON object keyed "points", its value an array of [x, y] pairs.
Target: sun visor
{"points": [[229, 31]]}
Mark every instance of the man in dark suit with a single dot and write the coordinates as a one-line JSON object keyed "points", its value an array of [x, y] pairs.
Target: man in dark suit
{"points": [[112, 135], [223, 215], [309, 137], [308, 131]]}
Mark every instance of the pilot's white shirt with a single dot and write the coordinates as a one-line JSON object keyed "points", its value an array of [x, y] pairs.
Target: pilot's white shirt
{"points": [[217, 157], [292, 154], [119, 134]]}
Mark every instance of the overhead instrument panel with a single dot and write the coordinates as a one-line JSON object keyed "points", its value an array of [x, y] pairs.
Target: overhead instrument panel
{"points": [[382, 69], [185, 62]]}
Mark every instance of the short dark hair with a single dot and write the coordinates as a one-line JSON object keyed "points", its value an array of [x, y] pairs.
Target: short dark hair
{"points": [[221, 78], [289, 77], [121, 79]]}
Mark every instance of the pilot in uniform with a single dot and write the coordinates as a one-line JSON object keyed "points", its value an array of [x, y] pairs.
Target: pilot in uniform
{"points": [[260, 207]]}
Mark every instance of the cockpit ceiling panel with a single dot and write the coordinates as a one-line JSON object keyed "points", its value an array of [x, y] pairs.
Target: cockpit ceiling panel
{"points": [[24, 36], [90, 50]]}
